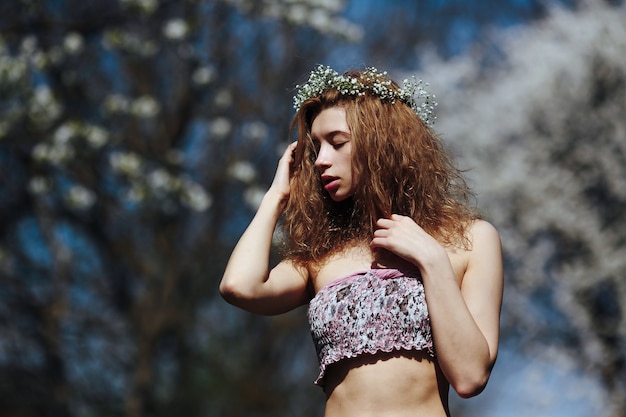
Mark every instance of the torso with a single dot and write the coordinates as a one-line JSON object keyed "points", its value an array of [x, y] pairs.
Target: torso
{"points": [[395, 384]]}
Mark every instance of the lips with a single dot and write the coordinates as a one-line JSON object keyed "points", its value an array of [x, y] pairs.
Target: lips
{"points": [[330, 183]]}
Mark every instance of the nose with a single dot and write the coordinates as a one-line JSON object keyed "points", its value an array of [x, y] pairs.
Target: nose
{"points": [[323, 159]]}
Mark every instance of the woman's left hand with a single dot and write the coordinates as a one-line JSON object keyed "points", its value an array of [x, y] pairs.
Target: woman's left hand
{"points": [[405, 238]]}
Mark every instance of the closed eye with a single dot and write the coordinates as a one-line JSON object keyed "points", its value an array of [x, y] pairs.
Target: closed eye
{"points": [[339, 139]]}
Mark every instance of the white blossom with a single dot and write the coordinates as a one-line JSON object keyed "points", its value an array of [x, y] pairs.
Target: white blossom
{"points": [[60, 153], [12, 69], [116, 103], [297, 14], [223, 98], [38, 185], [43, 108], [136, 193], [243, 171], [96, 136], [203, 75], [160, 180], [64, 133], [176, 29], [130, 42], [145, 107], [127, 163], [28, 45], [80, 197], [43, 95], [40, 152], [330, 5], [147, 6], [253, 196], [73, 43], [55, 154], [320, 20], [195, 197], [255, 131], [220, 127], [321, 15], [38, 60]]}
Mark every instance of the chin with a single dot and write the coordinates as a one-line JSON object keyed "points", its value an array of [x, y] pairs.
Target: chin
{"points": [[338, 198]]}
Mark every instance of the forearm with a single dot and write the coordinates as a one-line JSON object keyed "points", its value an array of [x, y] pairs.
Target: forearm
{"points": [[462, 349], [464, 318], [248, 266]]}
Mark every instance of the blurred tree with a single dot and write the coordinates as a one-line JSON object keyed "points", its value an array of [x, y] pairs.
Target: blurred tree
{"points": [[129, 140], [543, 130]]}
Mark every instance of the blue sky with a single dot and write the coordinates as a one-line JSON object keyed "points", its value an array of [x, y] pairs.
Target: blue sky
{"points": [[522, 386]]}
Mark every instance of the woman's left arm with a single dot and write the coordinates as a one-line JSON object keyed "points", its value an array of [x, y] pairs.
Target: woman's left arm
{"points": [[465, 318]]}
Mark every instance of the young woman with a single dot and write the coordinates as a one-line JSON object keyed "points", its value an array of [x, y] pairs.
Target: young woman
{"points": [[402, 278]]}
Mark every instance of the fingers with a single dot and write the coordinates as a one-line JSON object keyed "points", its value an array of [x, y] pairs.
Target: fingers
{"points": [[396, 234], [289, 151], [288, 155], [384, 223], [282, 177], [395, 227], [287, 158], [383, 233]]}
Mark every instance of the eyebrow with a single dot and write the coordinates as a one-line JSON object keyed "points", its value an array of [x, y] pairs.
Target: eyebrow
{"points": [[331, 134]]}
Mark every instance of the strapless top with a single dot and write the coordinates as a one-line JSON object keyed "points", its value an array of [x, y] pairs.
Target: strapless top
{"points": [[369, 312]]}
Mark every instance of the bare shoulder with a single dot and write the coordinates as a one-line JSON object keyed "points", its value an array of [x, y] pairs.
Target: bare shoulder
{"points": [[481, 232], [485, 254], [483, 243]]}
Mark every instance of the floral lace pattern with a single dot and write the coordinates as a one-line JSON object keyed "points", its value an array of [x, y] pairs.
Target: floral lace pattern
{"points": [[368, 312]]}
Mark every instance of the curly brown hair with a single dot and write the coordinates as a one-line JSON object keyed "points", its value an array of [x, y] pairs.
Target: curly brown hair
{"points": [[401, 165]]}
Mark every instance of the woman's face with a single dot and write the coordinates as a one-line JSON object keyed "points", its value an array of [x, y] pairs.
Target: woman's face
{"points": [[331, 135]]}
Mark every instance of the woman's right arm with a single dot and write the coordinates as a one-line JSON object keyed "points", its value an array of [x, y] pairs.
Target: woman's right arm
{"points": [[248, 282]]}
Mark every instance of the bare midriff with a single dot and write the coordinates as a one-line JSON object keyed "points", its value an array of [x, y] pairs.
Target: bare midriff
{"points": [[396, 384]]}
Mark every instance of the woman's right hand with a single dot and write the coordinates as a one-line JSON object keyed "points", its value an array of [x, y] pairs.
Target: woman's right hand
{"points": [[281, 185]]}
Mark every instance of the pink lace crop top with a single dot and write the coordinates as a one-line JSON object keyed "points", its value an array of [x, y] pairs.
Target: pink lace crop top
{"points": [[368, 312]]}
